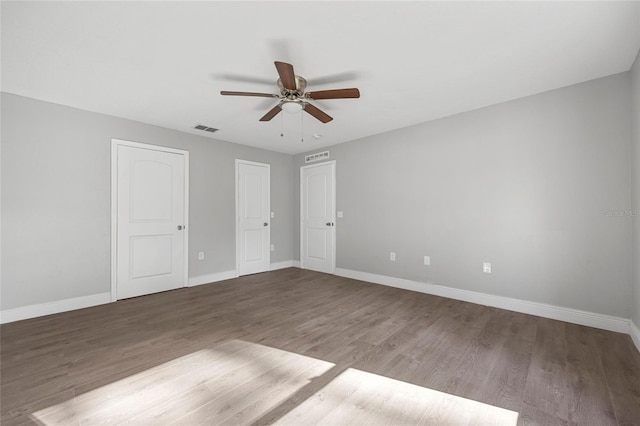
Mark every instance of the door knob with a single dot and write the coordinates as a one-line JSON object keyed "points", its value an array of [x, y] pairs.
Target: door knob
{"points": [[266, 224], [180, 227]]}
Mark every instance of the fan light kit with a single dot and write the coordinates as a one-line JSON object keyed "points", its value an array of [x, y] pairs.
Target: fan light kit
{"points": [[291, 106], [293, 97]]}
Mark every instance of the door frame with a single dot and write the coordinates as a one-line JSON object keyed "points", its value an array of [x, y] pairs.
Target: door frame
{"points": [[333, 228], [237, 179], [115, 143]]}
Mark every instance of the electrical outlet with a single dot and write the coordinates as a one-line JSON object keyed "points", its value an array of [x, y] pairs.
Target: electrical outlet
{"points": [[392, 256], [427, 260], [486, 267], [273, 247], [200, 255]]}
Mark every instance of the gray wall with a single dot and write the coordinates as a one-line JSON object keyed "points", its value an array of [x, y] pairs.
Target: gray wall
{"points": [[635, 159], [525, 185], [56, 199]]}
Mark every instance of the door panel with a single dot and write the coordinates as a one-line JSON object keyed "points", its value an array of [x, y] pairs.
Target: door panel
{"points": [[253, 243], [151, 191], [317, 204], [253, 190], [317, 199], [317, 244], [150, 210], [151, 256], [253, 210]]}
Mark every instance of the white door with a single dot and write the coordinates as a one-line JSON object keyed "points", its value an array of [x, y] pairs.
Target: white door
{"points": [[151, 200], [317, 210], [253, 237]]}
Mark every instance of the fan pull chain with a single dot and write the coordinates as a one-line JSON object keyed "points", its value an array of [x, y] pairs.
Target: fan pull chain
{"points": [[301, 127], [281, 127]]}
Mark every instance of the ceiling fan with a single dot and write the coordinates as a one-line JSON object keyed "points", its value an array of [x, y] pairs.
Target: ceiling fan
{"points": [[293, 97]]}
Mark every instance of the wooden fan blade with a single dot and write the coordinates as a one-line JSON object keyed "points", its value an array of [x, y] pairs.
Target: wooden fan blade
{"points": [[262, 95], [334, 94], [317, 113], [272, 113], [287, 76]]}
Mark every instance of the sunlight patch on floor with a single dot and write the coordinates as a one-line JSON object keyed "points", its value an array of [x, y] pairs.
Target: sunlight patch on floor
{"points": [[234, 381], [359, 397]]}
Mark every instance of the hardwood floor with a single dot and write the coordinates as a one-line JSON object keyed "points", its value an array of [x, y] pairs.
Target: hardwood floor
{"points": [[299, 347]]}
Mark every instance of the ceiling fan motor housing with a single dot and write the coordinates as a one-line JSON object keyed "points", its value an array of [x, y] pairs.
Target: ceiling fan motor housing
{"points": [[301, 85]]}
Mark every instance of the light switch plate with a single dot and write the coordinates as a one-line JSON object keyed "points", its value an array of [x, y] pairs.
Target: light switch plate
{"points": [[486, 267], [340, 215]]}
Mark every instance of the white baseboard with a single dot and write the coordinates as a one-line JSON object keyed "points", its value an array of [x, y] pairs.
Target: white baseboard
{"points": [[32, 311], [634, 332], [574, 316], [282, 265], [211, 278]]}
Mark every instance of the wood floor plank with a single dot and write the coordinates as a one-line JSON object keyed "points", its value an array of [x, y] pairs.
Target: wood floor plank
{"points": [[293, 345], [321, 405], [496, 362], [301, 395], [23, 413], [446, 350], [357, 397], [589, 399], [621, 365], [532, 416], [242, 393], [547, 389], [22, 392]]}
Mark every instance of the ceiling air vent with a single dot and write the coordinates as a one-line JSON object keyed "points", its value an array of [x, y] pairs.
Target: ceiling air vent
{"points": [[316, 157], [205, 128]]}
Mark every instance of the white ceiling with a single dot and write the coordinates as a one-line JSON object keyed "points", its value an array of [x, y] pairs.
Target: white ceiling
{"points": [[164, 63]]}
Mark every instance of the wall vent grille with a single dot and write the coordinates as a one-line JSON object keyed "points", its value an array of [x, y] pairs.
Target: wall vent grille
{"points": [[316, 157], [205, 128]]}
